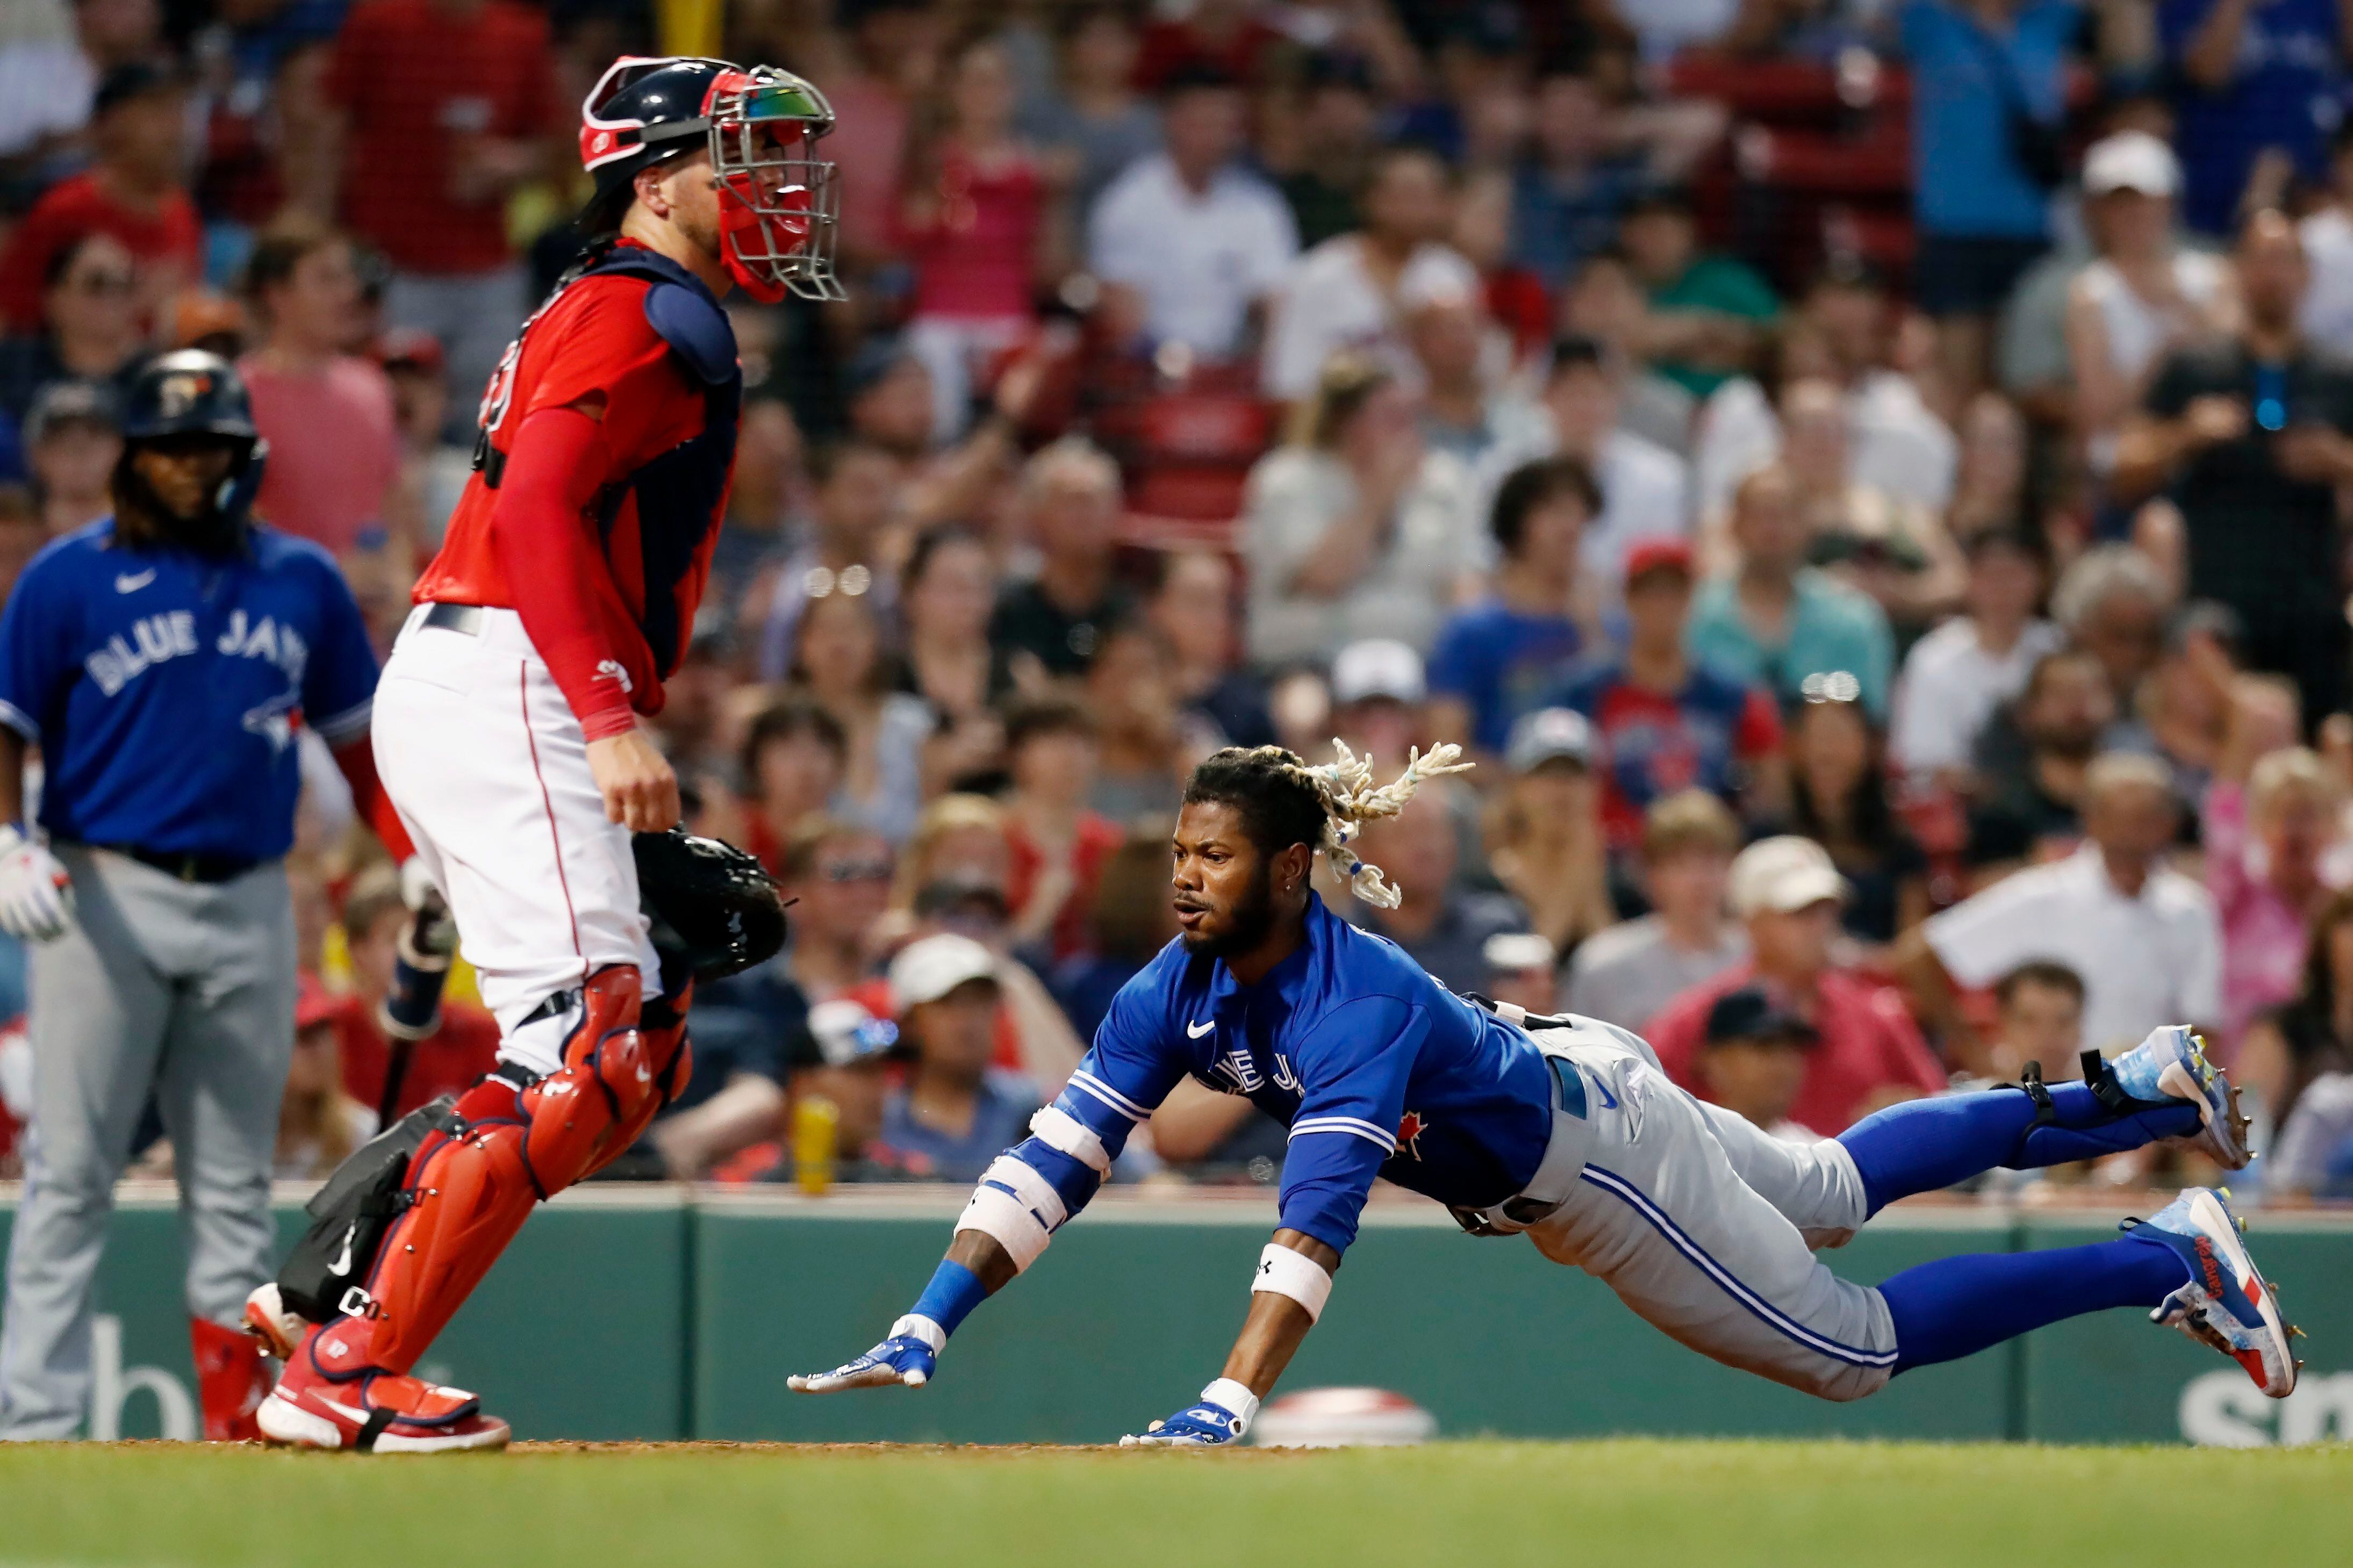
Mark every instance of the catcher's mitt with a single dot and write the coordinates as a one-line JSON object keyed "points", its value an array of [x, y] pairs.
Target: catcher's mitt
{"points": [[714, 909]]}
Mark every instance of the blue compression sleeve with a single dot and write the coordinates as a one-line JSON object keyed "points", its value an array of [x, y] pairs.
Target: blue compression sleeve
{"points": [[949, 1299], [1958, 1306], [1922, 1145]]}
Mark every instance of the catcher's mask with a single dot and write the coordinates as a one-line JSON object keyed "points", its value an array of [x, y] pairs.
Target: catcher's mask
{"points": [[778, 205]]}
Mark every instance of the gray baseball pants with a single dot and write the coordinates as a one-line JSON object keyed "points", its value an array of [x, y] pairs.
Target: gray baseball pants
{"points": [[183, 987]]}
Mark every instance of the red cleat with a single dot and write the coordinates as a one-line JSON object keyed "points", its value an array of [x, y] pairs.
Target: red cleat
{"points": [[330, 1399]]}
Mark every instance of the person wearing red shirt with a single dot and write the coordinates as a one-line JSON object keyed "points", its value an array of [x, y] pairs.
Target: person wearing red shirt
{"points": [[1869, 1053], [445, 107], [135, 191], [1058, 846], [446, 1061], [335, 441], [508, 725]]}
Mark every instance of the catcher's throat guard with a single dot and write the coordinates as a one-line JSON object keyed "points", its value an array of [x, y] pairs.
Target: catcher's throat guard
{"points": [[780, 206]]}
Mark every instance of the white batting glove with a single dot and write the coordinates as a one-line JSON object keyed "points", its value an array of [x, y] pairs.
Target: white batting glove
{"points": [[36, 893]]}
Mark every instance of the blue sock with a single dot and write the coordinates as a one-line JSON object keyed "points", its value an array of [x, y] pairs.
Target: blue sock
{"points": [[954, 1292], [1958, 1306], [1922, 1145]]}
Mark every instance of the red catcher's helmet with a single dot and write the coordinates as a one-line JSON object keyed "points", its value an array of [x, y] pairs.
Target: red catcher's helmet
{"points": [[778, 206]]}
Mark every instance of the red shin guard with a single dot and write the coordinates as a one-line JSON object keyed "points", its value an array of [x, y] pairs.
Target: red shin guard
{"points": [[471, 1191], [231, 1381]]}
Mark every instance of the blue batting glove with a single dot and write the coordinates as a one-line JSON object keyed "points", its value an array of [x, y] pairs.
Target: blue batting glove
{"points": [[909, 1356], [1221, 1417]]}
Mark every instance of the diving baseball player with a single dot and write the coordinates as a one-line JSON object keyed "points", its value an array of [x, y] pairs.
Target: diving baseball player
{"points": [[507, 722], [163, 661], [1566, 1129]]}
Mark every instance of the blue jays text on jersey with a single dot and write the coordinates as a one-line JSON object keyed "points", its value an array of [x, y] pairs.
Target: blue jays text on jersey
{"points": [[166, 686], [1376, 1069]]}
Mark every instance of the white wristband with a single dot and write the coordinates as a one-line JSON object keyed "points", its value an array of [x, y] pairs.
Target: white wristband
{"points": [[1228, 1394], [1295, 1275]]}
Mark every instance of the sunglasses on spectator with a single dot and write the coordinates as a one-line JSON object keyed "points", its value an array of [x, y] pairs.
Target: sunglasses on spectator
{"points": [[856, 871]]}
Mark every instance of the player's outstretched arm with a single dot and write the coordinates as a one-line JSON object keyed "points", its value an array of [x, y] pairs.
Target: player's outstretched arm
{"points": [[1294, 1276], [977, 1267]]}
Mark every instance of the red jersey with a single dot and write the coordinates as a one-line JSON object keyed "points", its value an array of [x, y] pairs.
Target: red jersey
{"points": [[446, 1061], [643, 335], [169, 240]]}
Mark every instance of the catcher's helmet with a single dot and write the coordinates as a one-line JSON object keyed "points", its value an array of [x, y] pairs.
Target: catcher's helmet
{"points": [[190, 392], [777, 203]]}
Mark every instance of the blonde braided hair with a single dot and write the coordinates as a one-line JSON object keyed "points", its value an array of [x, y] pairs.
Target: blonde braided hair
{"points": [[1344, 788]]}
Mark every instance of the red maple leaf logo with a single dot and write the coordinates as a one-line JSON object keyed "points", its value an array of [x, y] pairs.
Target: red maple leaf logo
{"points": [[1409, 1130]]}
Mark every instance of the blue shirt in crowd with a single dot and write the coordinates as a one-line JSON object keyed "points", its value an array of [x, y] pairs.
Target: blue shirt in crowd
{"points": [[166, 686], [1001, 1113], [1500, 664], [1831, 626], [1965, 84], [2283, 93]]}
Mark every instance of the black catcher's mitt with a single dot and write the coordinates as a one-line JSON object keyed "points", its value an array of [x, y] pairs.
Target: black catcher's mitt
{"points": [[714, 909]]}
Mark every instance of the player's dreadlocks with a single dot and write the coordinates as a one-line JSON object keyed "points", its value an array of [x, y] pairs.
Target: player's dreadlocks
{"points": [[1284, 801]]}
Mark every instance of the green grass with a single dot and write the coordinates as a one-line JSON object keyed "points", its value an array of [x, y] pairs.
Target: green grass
{"points": [[1453, 1505]]}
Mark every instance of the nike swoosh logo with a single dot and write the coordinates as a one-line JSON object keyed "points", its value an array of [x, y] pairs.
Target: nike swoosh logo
{"points": [[343, 1265], [1608, 1098], [132, 581], [1194, 1031]]}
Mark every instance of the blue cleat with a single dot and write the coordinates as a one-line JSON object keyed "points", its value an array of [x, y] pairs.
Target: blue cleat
{"points": [[2227, 1304], [2171, 1064]]}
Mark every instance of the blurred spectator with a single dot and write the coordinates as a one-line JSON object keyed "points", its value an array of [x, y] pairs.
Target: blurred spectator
{"points": [[2184, 711], [2314, 1153], [1053, 622], [1131, 918], [1605, 303], [319, 1120], [961, 845], [1545, 843], [2327, 313], [1378, 689], [974, 226], [1891, 548], [1058, 845], [1645, 489], [1988, 99], [1502, 658], [1571, 189], [955, 1112], [2032, 764], [1193, 605], [1225, 35], [89, 330], [1868, 1053], [2250, 435], [1753, 1060], [335, 444], [2283, 1054], [136, 190], [1444, 926], [2040, 1019], [1629, 972], [1149, 743], [843, 548], [1516, 300], [2144, 937], [1776, 620], [837, 661], [72, 440], [1705, 307], [1352, 529], [1990, 471], [443, 107], [2256, 86], [53, 59], [1351, 292], [947, 594], [794, 758], [1335, 131], [841, 873], [446, 1061], [1666, 722], [2273, 834], [1838, 797], [1461, 415], [21, 535], [1958, 676], [1521, 967], [2144, 296], [895, 56], [433, 468], [1095, 118], [844, 1058], [2112, 604], [1200, 238]]}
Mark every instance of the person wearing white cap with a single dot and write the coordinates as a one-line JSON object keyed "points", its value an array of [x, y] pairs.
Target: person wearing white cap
{"points": [[1789, 894], [2144, 294], [1378, 687], [955, 1111]]}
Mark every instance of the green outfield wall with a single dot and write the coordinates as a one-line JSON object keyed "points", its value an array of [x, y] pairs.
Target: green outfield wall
{"points": [[653, 1313]]}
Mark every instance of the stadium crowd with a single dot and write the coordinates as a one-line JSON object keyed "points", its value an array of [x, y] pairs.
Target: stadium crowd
{"points": [[1865, 478]]}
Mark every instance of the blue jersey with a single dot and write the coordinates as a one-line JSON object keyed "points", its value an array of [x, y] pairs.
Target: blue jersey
{"points": [[1377, 1069], [164, 687]]}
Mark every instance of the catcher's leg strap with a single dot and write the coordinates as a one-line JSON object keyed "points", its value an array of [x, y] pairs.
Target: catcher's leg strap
{"points": [[513, 1143]]}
